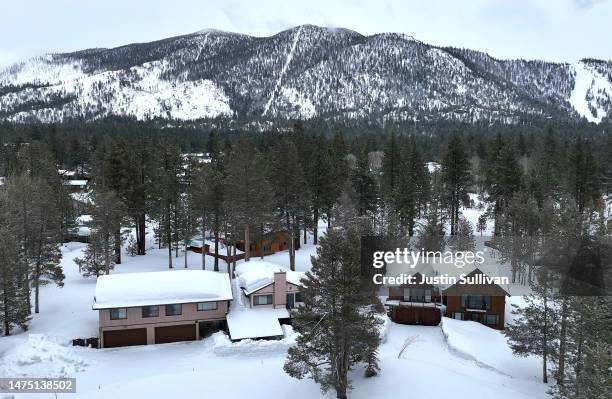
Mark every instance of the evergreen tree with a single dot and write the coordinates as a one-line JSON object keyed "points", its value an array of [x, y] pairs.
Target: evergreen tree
{"points": [[534, 330], [287, 183], [364, 186], [431, 235], [584, 181], [338, 323], [463, 240], [166, 209], [455, 179], [410, 192], [248, 190], [14, 294], [107, 215], [482, 223], [93, 262], [503, 176]]}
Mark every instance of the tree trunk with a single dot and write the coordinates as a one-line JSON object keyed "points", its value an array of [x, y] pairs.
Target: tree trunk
{"points": [[216, 254], [185, 253], [545, 344], [292, 247], [106, 253], [118, 247], [203, 243], [169, 242], [562, 344], [315, 226], [247, 243], [36, 289], [261, 239], [142, 229], [233, 262]]}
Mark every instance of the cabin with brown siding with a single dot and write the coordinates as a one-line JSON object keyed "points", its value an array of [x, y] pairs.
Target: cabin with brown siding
{"points": [[483, 303]]}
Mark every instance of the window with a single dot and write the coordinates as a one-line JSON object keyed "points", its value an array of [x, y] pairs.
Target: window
{"points": [[262, 300], [476, 301], [118, 313], [458, 315], [417, 295], [207, 306], [293, 298], [174, 310], [491, 319], [150, 311]]}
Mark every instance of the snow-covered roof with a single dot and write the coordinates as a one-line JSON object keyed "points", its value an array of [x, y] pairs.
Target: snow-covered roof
{"points": [[199, 242], [65, 172], [83, 219], [161, 288], [75, 182], [256, 323], [256, 274]]}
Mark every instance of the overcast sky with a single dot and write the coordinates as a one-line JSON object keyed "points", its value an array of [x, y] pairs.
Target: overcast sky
{"points": [[557, 30]]}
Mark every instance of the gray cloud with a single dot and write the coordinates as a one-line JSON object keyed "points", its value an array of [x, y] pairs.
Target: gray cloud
{"points": [[586, 3], [561, 30]]}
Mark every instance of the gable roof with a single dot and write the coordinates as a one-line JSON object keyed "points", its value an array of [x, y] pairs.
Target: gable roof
{"points": [[458, 287], [161, 288], [255, 275]]}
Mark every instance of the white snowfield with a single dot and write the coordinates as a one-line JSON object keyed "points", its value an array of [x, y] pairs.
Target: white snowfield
{"points": [[462, 360], [140, 92], [159, 288], [256, 274], [590, 89]]}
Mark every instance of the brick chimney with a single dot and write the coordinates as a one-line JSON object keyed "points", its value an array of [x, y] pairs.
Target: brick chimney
{"points": [[280, 289]]}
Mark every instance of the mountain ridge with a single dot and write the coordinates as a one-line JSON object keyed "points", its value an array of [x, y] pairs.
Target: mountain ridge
{"points": [[304, 72]]}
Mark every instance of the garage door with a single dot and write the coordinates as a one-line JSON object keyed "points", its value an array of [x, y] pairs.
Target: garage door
{"points": [[135, 336], [185, 332]]}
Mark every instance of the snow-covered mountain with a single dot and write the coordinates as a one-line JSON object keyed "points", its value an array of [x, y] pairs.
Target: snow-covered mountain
{"points": [[300, 73]]}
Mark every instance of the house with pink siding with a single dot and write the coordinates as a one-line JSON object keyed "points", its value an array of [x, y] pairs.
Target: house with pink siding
{"points": [[160, 307], [267, 285]]}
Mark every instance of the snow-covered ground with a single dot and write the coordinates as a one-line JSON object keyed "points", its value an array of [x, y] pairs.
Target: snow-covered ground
{"points": [[590, 88], [458, 359]]}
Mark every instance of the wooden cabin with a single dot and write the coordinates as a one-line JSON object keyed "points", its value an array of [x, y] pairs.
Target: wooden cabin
{"points": [[270, 243], [483, 303], [415, 293], [416, 304]]}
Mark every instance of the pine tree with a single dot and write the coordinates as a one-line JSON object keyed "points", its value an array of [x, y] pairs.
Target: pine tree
{"points": [[463, 240], [93, 262], [364, 186], [338, 323], [584, 180], [14, 294], [107, 213], [288, 183], [482, 223], [410, 193], [503, 176], [455, 178], [534, 330], [166, 209], [431, 235], [248, 190], [46, 239]]}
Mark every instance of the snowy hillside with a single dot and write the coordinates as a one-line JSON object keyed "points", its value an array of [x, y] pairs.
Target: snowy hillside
{"points": [[304, 72]]}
